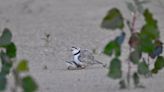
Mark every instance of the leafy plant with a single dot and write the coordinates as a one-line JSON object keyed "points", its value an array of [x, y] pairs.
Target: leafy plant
{"points": [[7, 56], [144, 42]]}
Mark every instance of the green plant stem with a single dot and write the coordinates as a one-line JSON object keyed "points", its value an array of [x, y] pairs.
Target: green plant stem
{"points": [[15, 75], [129, 72], [17, 81], [148, 59], [133, 22], [130, 49], [148, 63]]}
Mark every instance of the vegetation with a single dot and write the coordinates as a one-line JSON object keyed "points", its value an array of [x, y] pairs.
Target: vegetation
{"points": [[9, 66], [144, 44]]}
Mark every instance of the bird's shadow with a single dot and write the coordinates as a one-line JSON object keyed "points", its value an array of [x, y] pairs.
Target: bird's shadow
{"points": [[92, 67]]}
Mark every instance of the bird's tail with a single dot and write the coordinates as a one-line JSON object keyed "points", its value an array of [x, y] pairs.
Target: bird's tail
{"points": [[98, 62]]}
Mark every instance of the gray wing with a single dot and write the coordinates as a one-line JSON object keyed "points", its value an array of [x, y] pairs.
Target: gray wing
{"points": [[88, 58]]}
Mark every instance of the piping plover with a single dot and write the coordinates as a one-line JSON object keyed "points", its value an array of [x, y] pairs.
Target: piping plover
{"points": [[81, 59]]}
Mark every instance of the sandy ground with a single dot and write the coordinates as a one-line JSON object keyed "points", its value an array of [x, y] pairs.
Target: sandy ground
{"points": [[69, 23]]}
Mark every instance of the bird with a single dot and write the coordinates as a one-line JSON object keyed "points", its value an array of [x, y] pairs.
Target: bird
{"points": [[81, 59], [76, 63]]}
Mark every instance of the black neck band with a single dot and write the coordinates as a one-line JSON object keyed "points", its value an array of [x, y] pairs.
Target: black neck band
{"points": [[77, 53]]}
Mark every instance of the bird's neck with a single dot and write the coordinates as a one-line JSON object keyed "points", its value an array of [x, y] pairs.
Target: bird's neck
{"points": [[76, 57], [78, 53]]}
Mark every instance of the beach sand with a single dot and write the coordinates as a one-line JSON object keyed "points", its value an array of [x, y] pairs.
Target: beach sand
{"points": [[70, 23]]}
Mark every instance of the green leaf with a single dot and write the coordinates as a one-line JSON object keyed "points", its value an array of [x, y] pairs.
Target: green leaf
{"points": [[11, 50], [139, 6], [146, 44], [136, 79], [22, 66], [6, 63], [4, 57], [3, 82], [149, 18], [151, 32], [122, 84], [134, 40], [6, 68], [135, 56], [130, 6], [29, 85], [5, 38], [117, 50], [143, 68], [159, 64], [150, 29], [115, 69], [113, 20], [145, 1], [155, 71], [108, 50], [111, 47]]}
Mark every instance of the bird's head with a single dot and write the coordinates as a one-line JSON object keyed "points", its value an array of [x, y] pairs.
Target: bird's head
{"points": [[75, 50]]}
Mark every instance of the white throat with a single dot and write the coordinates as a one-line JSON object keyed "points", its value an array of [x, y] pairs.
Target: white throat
{"points": [[76, 57]]}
